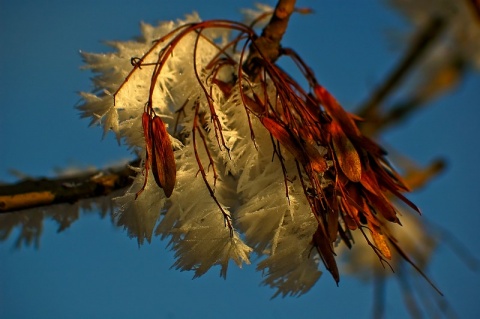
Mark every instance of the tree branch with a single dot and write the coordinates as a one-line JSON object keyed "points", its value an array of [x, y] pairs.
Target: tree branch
{"points": [[33, 193], [417, 177], [435, 84], [267, 46], [370, 110]]}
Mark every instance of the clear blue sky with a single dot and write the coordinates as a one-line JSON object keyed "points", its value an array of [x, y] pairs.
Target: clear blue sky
{"points": [[93, 270]]}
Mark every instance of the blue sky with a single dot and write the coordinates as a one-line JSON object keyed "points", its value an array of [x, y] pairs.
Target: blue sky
{"points": [[93, 270]]}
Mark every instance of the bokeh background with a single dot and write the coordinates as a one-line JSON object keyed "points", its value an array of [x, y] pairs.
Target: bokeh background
{"points": [[93, 270]]}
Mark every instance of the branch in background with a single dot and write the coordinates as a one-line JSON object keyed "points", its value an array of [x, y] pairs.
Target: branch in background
{"points": [[32, 193], [431, 87], [418, 177], [370, 110]]}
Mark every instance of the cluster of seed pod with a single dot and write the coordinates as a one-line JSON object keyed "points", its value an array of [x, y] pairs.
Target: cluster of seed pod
{"points": [[345, 176]]}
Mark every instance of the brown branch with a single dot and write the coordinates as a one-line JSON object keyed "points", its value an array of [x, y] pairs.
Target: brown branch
{"points": [[433, 86], [32, 193], [267, 46], [370, 110]]}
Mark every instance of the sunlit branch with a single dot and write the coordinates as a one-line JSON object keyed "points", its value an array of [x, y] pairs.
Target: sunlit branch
{"points": [[32, 193], [267, 46]]}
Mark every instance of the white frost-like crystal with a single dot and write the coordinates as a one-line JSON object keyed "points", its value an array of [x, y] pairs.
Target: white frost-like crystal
{"points": [[247, 187]]}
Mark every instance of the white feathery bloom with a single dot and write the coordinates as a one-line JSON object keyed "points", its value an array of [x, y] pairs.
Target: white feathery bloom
{"points": [[278, 227], [191, 216], [232, 165]]}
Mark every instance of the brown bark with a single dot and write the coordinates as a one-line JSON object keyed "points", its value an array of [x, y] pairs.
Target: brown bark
{"points": [[267, 46], [31, 193]]}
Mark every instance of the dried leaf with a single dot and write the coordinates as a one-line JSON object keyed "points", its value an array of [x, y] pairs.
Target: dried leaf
{"points": [[159, 154], [332, 220], [333, 108]]}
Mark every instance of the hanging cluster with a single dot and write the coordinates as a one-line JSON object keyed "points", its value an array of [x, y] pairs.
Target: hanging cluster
{"points": [[241, 161]]}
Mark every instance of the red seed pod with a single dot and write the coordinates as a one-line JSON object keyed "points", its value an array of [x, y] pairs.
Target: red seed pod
{"points": [[159, 154], [303, 152], [333, 108], [346, 154], [163, 159], [146, 124]]}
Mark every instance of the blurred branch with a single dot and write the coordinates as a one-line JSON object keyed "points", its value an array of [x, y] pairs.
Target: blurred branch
{"points": [[475, 4], [375, 120], [433, 86], [33, 193], [417, 177], [370, 110]]}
